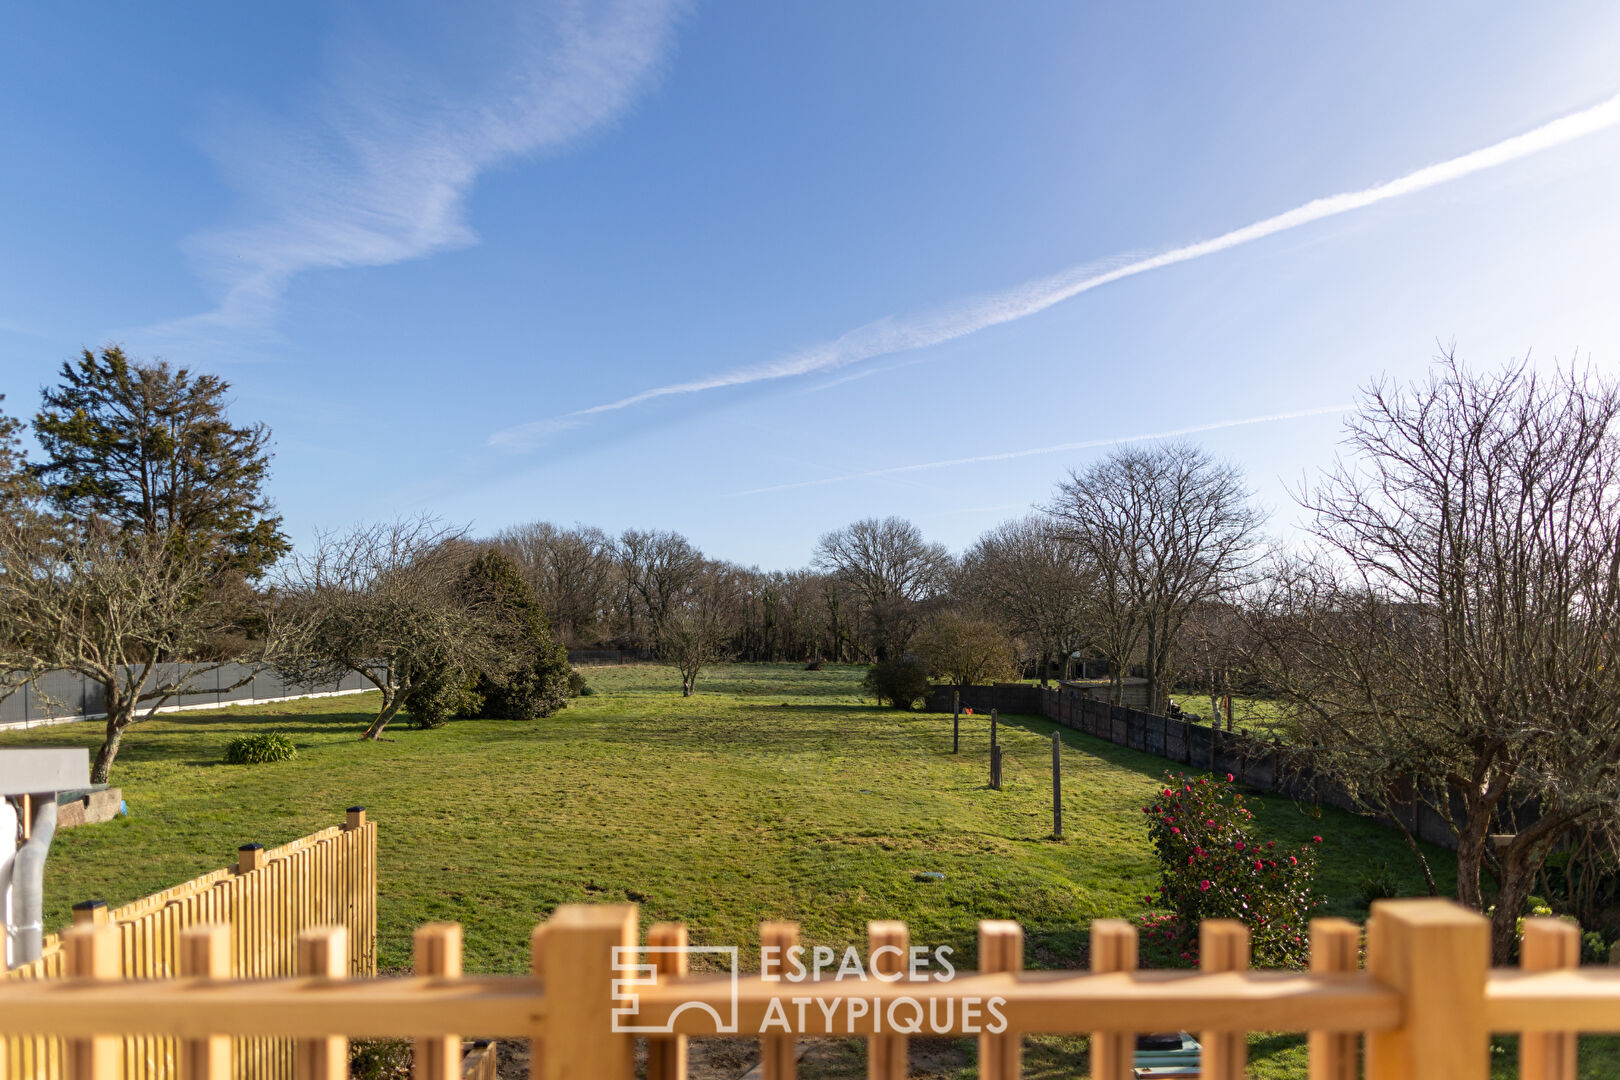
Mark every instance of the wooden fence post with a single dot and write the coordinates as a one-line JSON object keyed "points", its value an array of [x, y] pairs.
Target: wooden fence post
{"points": [[666, 1054], [205, 953], [323, 952], [886, 1054], [995, 766], [89, 912], [1335, 944], [249, 857], [355, 818], [93, 952], [1223, 945], [436, 951], [1548, 945], [1001, 948], [1057, 786], [778, 1054], [1437, 954], [956, 721], [1113, 948], [579, 946], [993, 743]]}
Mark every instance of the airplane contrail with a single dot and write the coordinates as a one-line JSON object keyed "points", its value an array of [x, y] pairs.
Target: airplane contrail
{"points": [[1088, 444], [888, 336]]}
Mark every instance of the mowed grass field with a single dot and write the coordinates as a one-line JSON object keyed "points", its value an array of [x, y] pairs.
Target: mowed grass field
{"points": [[774, 793]]}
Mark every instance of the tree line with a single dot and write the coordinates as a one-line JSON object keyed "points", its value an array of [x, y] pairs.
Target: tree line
{"points": [[1445, 631]]}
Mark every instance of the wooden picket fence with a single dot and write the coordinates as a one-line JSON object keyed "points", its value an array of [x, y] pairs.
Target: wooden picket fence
{"points": [[259, 908], [1423, 1007]]}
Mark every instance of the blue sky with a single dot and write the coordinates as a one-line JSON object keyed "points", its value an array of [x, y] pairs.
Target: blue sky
{"points": [[429, 243]]}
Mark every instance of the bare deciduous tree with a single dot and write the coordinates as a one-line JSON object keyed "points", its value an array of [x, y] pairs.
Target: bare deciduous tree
{"points": [[1164, 529], [891, 569], [571, 572], [965, 649], [658, 568], [697, 625], [1463, 624], [121, 609], [1035, 582], [386, 602]]}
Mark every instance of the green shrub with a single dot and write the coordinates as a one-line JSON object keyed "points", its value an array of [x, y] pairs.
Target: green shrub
{"points": [[1211, 866], [260, 748], [537, 682], [442, 696], [380, 1059], [901, 683], [1377, 883], [577, 686]]}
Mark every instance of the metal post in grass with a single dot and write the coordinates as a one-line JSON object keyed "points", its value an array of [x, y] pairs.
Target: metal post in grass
{"points": [[956, 721], [1057, 786]]}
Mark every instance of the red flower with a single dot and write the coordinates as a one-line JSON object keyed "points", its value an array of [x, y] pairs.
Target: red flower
{"points": [[1292, 861], [1229, 778], [1204, 885], [1316, 839]]}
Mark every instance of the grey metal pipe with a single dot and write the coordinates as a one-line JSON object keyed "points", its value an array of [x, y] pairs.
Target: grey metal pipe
{"points": [[28, 881]]}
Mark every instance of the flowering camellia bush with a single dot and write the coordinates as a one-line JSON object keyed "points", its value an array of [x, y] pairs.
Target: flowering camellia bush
{"points": [[1212, 866]]}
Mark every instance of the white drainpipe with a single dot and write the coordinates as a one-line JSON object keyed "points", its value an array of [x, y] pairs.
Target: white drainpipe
{"points": [[27, 922]]}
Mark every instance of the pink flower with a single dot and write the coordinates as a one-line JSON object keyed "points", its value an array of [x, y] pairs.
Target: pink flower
{"points": [[1292, 861], [1204, 885], [1316, 839], [1258, 865], [1229, 778], [1198, 851], [1240, 845], [1176, 829]]}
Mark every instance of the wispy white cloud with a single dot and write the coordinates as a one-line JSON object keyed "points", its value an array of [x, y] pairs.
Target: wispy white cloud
{"points": [[969, 316], [376, 168], [1056, 448]]}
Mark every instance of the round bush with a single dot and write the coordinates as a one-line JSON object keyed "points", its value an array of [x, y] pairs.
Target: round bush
{"points": [[1211, 866], [260, 748], [901, 683]]}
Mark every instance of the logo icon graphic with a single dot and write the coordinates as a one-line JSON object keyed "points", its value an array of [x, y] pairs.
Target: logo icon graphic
{"points": [[634, 974]]}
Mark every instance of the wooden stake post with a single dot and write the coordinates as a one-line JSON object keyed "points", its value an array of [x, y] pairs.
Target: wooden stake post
{"points": [[1437, 955], [1113, 949], [205, 953], [93, 953], [778, 1054], [323, 951], [1549, 945], [1057, 786], [436, 951], [995, 754], [956, 721], [576, 954]]}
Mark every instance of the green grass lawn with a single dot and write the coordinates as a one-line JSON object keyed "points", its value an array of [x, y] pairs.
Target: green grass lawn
{"points": [[774, 793]]}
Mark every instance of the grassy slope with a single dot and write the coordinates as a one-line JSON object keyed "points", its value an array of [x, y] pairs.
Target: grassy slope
{"points": [[774, 793]]}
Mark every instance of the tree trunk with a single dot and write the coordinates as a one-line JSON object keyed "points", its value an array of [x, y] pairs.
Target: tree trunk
{"points": [[116, 723], [391, 707]]}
